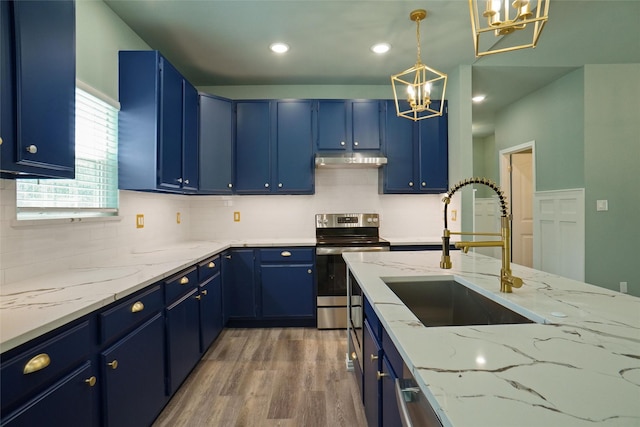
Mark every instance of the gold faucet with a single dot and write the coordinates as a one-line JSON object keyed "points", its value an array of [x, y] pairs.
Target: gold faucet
{"points": [[507, 280]]}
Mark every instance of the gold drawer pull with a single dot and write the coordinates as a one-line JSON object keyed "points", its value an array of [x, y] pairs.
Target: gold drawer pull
{"points": [[184, 280], [37, 363], [380, 375], [212, 264], [137, 306], [373, 357], [285, 253], [91, 381], [198, 297], [114, 364], [204, 292]]}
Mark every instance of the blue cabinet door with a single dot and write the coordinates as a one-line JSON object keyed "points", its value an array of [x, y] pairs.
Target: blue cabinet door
{"points": [[287, 291], [69, 402], [253, 147], [371, 354], [399, 172], [433, 154], [215, 145], [210, 311], [332, 125], [38, 88], [390, 412], [183, 338], [170, 136], [240, 299], [133, 374], [295, 174], [365, 120], [189, 165]]}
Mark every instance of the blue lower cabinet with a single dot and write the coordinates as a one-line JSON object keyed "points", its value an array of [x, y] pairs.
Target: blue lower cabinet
{"points": [[390, 412], [133, 375], [239, 286], [210, 311], [183, 338], [69, 402], [371, 354], [287, 291]]}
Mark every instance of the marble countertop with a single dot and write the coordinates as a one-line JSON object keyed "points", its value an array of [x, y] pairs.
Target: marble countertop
{"points": [[579, 367], [32, 307]]}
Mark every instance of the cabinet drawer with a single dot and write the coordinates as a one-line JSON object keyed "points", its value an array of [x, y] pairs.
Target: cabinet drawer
{"points": [[180, 284], [44, 363], [130, 313], [287, 255], [208, 268]]}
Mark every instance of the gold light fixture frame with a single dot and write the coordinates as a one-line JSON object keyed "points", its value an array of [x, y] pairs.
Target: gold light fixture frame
{"points": [[504, 17], [420, 82]]}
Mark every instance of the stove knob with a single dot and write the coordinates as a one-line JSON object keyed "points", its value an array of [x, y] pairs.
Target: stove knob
{"points": [[369, 219], [375, 219]]}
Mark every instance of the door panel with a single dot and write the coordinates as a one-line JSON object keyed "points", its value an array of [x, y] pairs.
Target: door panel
{"points": [[522, 199]]}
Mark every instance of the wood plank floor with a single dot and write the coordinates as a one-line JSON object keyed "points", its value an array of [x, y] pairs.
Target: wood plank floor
{"points": [[291, 377]]}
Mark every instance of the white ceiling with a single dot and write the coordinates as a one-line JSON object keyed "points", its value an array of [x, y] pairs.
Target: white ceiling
{"points": [[225, 42]]}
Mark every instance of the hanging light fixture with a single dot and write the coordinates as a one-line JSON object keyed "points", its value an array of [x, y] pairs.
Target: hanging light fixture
{"points": [[502, 18], [421, 88]]}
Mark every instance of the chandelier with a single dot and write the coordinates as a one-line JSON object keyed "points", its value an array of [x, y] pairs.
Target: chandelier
{"points": [[421, 88], [502, 18]]}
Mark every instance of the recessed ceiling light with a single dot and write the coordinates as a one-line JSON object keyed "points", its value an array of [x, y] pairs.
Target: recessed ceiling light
{"points": [[478, 98], [279, 47], [380, 48]]}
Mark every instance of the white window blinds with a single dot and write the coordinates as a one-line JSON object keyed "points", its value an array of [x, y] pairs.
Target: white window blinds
{"points": [[94, 191]]}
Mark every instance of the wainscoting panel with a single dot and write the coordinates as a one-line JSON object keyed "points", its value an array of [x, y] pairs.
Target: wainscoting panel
{"points": [[559, 222]]}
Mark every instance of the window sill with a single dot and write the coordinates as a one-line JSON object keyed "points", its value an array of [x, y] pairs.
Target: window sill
{"points": [[26, 223]]}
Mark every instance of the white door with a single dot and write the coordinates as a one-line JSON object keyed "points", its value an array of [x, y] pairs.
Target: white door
{"points": [[522, 209]]}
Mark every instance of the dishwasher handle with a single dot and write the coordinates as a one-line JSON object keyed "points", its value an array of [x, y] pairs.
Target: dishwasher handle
{"points": [[402, 405]]}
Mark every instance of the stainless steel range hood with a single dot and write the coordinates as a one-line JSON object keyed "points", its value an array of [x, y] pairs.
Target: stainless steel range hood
{"points": [[350, 160]]}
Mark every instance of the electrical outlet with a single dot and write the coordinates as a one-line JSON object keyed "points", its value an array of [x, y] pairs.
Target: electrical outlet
{"points": [[602, 205], [454, 215], [140, 221], [236, 216], [623, 287], [178, 218]]}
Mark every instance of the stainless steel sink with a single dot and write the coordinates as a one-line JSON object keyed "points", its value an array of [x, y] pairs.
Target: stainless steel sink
{"points": [[449, 303]]}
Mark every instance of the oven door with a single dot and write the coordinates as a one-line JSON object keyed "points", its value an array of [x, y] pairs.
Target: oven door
{"points": [[332, 291]]}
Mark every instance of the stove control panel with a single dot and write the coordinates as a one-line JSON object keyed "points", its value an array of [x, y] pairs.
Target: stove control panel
{"points": [[347, 220]]}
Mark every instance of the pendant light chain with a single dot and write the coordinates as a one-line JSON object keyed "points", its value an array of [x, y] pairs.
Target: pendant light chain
{"points": [[419, 60]]}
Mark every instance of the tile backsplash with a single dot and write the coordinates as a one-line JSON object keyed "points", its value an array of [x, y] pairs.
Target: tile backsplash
{"points": [[28, 251]]}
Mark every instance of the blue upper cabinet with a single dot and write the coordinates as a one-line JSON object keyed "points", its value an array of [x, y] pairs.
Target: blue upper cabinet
{"points": [[37, 77], [295, 168], [417, 154], [158, 125], [274, 147], [347, 125], [253, 147], [215, 145]]}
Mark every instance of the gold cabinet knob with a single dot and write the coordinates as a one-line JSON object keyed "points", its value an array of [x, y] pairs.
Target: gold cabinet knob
{"points": [[342, 143], [37, 363], [380, 375], [410, 183], [355, 143], [230, 185], [211, 264], [137, 306], [32, 149], [113, 364], [0, 140], [373, 358], [91, 381], [227, 256], [354, 356], [184, 280], [309, 271]]}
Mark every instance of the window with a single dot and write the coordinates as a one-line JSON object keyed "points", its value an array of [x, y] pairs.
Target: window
{"points": [[94, 191]]}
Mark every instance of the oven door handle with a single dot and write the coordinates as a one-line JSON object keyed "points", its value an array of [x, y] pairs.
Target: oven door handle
{"points": [[322, 250]]}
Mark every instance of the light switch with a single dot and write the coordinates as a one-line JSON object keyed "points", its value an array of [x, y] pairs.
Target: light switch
{"points": [[602, 205], [139, 221]]}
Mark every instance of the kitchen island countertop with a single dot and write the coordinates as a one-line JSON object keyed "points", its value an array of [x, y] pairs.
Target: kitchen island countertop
{"points": [[33, 307], [579, 367]]}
